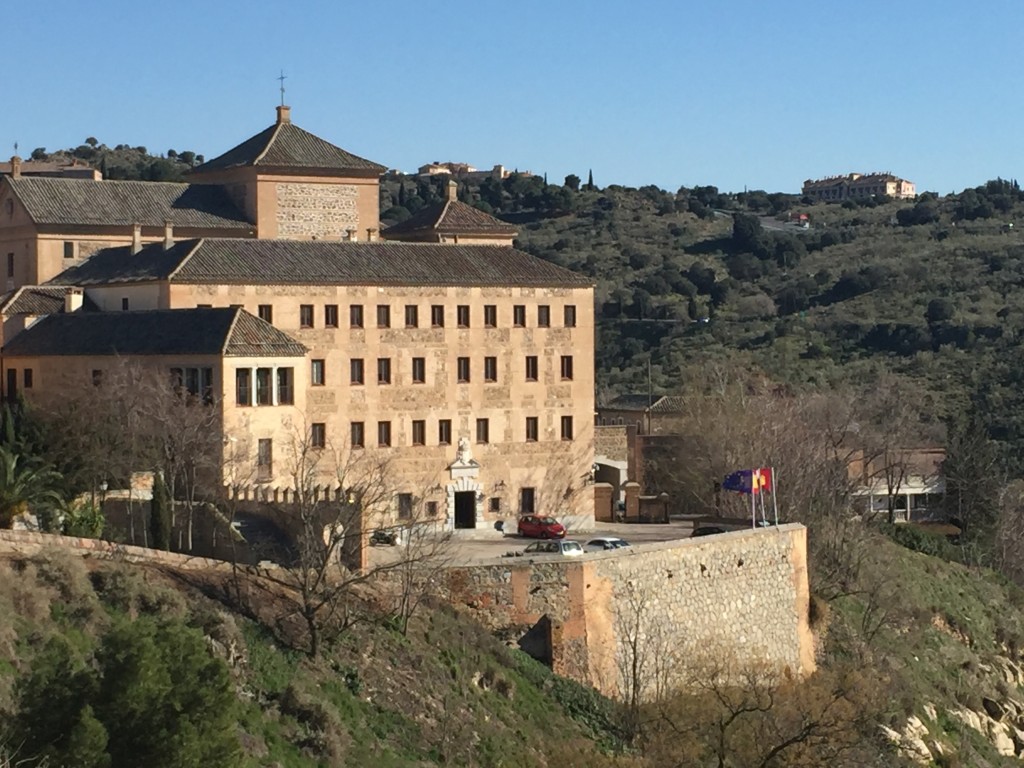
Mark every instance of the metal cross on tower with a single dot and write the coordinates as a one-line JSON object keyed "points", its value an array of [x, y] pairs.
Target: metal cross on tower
{"points": [[282, 78]]}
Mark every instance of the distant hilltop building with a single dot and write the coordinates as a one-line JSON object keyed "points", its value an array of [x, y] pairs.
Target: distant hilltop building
{"points": [[466, 172], [856, 186], [66, 169]]}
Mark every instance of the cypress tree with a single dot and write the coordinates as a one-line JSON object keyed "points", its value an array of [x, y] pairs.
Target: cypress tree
{"points": [[160, 515], [590, 180]]}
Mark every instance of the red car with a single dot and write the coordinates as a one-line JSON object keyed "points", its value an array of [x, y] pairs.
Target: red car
{"points": [[541, 527]]}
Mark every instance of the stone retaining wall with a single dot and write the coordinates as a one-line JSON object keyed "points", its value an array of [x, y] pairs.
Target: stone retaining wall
{"points": [[735, 597], [31, 543]]}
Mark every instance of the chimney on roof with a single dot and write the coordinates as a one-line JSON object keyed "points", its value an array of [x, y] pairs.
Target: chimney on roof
{"points": [[168, 234], [371, 235], [453, 190], [73, 298], [352, 235], [136, 238], [284, 114], [16, 167]]}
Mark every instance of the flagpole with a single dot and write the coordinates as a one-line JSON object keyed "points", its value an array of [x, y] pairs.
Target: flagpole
{"points": [[764, 515], [775, 490], [753, 510]]}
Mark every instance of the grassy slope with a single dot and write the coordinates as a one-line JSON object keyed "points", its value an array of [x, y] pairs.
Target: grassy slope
{"points": [[943, 633], [447, 693]]}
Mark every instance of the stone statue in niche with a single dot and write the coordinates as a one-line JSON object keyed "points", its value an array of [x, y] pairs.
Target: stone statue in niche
{"points": [[464, 454]]}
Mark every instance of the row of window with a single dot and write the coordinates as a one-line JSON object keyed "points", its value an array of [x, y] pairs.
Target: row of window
{"points": [[463, 370], [358, 436], [463, 315], [265, 473]]}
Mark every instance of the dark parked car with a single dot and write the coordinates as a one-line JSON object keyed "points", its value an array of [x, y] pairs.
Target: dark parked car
{"points": [[541, 527], [708, 530]]}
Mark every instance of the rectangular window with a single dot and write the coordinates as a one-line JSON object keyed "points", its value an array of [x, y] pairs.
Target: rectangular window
{"points": [[483, 430], [531, 367], [462, 370], [384, 433], [567, 427], [494, 504], [243, 385], [356, 371], [570, 316], [419, 432], [431, 510], [490, 369], [527, 498], [355, 316], [197, 382], [437, 316], [543, 316], [566, 367], [419, 370], [285, 386], [519, 316], [412, 316], [358, 434], [28, 378], [266, 313], [124, 304], [69, 249], [330, 316], [532, 429], [263, 386], [383, 370], [405, 506], [10, 265], [317, 375], [305, 315], [462, 315], [444, 432], [265, 459], [383, 316], [318, 435], [490, 316]]}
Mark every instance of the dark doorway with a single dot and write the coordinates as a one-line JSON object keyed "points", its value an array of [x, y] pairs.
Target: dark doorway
{"points": [[465, 509], [12, 384]]}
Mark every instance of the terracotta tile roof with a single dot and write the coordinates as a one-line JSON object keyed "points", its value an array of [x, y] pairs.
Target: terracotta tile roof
{"points": [[285, 145], [290, 262], [669, 404], [630, 402], [642, 402], [452, 217], [124, 203], [231, 332], [37, 300]]}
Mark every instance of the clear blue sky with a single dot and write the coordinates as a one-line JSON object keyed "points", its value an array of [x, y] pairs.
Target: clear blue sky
{"points": [[670, 92]]}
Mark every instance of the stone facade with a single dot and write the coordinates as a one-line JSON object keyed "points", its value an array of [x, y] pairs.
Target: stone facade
{"points": [[737, 599], [316, 210]]}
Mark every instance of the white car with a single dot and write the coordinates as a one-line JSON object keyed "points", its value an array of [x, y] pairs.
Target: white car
{"points": [[563, 548], [606, 543]]}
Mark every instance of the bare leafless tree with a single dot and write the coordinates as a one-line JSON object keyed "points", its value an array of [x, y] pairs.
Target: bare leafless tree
{"points": [[335, 497]]}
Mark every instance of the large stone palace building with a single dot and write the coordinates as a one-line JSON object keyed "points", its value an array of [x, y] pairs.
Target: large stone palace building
{"points": [[858, 186], [264, 284]]}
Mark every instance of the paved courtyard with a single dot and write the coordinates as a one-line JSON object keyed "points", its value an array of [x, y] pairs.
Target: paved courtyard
{"points": [[475, 545]]}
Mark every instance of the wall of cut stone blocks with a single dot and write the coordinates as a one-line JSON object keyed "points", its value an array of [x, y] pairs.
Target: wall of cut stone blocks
{"points": [[735, 601]]}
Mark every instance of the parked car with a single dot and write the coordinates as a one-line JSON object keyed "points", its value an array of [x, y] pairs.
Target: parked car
{"points": [[708, 530], [540, 527], [562, 548], [606, 542]]}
